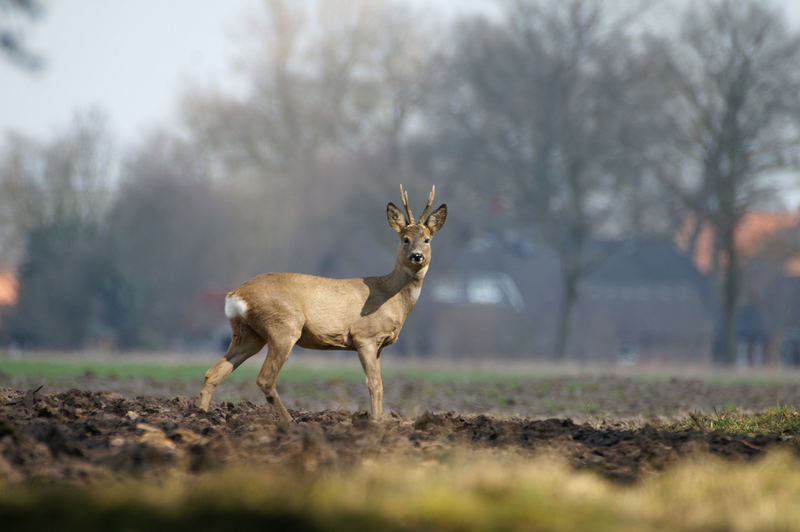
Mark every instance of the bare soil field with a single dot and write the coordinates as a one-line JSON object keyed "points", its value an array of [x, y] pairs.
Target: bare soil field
{"points": [[595, 423], [580, 396]]}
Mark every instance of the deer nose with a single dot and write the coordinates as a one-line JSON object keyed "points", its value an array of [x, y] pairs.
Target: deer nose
{"points": [[417, 257]]}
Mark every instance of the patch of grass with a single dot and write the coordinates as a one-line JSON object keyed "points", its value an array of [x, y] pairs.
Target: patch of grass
{"points": [[779, 420], [70, 368], [744, 380], [451, 375], [472, 491], [550, 405], [574, 387], [160, 372]]}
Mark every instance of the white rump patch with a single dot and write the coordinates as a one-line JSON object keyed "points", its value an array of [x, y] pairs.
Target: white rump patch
{"points": [[235, 307]]}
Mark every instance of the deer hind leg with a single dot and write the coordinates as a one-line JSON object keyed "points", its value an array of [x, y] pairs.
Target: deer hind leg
{"points": [[279, 348], [371, 362], [245, 342]]}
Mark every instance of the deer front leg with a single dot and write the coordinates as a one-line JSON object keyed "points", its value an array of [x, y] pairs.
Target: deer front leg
{"points": [[369, 355]]}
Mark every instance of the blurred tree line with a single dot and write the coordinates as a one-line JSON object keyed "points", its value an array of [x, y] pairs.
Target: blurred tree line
{"points": [[562, 120]]}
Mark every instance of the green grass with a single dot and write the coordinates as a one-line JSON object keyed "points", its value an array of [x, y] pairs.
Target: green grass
{"points": [[69, 368], [159, 372], [779, 420], [747, 380]]}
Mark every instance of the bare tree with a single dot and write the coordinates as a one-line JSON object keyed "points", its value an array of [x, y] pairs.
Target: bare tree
{"points": [[731, 108], [331, 84], [321, 77], [53, 199], [71, 177], [542, 111], [174, 235]]}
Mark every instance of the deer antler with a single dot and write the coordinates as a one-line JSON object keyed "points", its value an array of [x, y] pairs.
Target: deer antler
{"points": [[428, 206], [404, 195]]}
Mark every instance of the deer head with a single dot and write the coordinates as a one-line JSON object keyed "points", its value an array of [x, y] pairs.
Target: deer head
{"points": [[415, 235]]}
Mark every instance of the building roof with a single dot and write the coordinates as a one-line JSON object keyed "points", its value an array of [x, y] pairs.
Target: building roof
{"points": [[9, 289], [654, 261], [755, 229]]}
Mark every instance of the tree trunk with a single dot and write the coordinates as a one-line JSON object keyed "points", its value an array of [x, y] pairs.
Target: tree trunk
{"points": [[564, 326], [730, 300]]}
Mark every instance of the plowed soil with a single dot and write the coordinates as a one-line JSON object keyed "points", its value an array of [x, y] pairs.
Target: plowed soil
{"points": [[78, 434]]}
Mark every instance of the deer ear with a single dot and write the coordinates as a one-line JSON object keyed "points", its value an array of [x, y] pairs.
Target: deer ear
{"points": [[397, 220], [436, 219]]}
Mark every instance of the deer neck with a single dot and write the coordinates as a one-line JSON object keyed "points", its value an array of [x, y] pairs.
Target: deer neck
{"points": [[406, 282]]}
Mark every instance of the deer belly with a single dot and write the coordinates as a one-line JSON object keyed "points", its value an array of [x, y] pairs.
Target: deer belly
{"points": [[321, 339]]}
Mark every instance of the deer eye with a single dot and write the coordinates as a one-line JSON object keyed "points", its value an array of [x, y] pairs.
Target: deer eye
{"points": [[427, 240], [406, 240]]}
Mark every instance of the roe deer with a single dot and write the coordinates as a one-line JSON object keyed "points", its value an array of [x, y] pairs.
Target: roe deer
{"points": [[363, 314]]}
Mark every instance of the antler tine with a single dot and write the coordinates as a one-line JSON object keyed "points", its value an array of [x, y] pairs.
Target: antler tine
{"points": [[404, 195], [428, 206]]}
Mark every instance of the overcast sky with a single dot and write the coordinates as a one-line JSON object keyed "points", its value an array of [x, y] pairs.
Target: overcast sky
{"points": [[130, 58], [134, 59]]}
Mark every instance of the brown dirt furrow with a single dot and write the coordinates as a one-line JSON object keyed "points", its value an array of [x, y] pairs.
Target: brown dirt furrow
{"points": [[77, 435]]}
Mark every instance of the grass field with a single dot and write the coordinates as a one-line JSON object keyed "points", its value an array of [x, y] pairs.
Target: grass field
{"points": [[345, 367], [183, 368], [446, 484]]}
